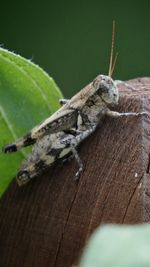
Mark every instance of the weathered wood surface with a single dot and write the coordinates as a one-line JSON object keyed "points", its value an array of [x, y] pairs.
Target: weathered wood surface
{"points": [[47, 222]]}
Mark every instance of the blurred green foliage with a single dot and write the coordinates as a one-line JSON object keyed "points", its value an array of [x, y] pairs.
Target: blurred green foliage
{"points": [[71, 39], [118, 246]]}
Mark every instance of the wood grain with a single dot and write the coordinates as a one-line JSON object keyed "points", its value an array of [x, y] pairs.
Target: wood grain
{"points": [[47, 222]]}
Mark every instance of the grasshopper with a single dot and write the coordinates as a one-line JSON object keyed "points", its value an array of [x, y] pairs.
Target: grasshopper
{"points": [[58, 136]]}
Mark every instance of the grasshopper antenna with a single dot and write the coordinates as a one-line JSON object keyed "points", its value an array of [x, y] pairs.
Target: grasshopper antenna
{"points": [[112, 63]]}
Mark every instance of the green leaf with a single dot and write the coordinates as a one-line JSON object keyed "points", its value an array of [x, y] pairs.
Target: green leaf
{"points": [[118, 246], [27, 96]]}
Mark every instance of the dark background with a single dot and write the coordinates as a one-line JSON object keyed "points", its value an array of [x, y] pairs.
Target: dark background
{"points": [[71, 39]]}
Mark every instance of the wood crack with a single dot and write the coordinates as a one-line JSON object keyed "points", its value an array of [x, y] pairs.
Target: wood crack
{"points": [[130, 199], [64, 229]]}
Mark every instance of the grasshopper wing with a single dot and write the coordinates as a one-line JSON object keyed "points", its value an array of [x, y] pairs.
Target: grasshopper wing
{"points": [[63, 119]]}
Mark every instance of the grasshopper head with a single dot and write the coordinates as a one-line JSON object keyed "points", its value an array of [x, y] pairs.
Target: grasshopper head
{"points": [[106, 89]]}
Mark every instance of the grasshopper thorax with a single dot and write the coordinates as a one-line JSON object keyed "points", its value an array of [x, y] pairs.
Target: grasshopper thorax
{"points": [[105, 87]]}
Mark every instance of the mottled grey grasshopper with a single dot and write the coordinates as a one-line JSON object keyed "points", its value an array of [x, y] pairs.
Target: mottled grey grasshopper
{"points": [[59, 135]]}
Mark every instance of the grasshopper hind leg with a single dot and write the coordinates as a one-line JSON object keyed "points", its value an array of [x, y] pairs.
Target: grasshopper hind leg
{"points": [[23, 177], [30, 170], [45, 152]]}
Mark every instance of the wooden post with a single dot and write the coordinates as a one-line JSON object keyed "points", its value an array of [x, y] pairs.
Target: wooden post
{"points": [[47, 222]]}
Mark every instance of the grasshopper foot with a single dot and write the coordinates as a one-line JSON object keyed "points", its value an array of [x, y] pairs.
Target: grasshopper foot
{"points": [[78, 173]]}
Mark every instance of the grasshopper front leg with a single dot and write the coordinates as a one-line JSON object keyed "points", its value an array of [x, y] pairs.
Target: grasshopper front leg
{"points": [[116, 114]]}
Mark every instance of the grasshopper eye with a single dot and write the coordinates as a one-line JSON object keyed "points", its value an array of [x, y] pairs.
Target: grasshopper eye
{"points": [[99, 84], [102, 89]]}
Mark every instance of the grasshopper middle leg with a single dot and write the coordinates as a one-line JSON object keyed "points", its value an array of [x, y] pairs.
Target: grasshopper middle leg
{"points": [[73, 142]]}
